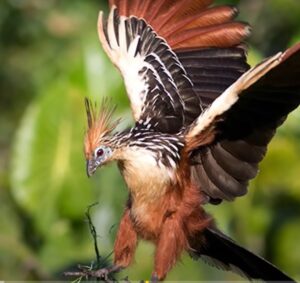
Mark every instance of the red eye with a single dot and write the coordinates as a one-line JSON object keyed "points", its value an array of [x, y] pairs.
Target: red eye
{"points": [[100, 152]]}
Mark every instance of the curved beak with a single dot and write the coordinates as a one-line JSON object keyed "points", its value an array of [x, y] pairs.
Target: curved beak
{"points": [[90, 167]]}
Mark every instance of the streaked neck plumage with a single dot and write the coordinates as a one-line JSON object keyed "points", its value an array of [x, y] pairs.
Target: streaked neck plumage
{"points": [[147, 159], [163, 147]]}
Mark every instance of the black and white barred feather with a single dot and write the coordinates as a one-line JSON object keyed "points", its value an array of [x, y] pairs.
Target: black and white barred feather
{"points": [[157, 83]]}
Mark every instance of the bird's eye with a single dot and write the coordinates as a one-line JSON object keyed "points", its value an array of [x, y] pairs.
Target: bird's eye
{"points": [[100, 152]]}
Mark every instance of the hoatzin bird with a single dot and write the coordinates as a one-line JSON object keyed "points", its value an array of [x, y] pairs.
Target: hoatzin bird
{"points": [[203, 120]]}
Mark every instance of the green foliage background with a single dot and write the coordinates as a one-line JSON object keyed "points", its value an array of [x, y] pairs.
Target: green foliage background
{"points": [[50, 60]]}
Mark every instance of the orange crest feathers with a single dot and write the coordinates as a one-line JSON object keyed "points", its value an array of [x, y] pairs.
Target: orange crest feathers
{"points": [[100, 124]]}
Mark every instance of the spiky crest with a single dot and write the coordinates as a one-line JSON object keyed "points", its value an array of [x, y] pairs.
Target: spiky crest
{"points": [[100, 124]]}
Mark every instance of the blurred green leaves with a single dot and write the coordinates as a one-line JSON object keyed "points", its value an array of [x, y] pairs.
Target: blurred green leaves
{"points": [[48, 145], [48, 173]]}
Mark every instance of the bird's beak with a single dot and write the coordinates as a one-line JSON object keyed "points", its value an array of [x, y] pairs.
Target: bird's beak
{"points": [[90, 167]]}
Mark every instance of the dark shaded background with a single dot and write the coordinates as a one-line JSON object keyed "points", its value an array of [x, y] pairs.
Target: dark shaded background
{"points": [[50, 60]]}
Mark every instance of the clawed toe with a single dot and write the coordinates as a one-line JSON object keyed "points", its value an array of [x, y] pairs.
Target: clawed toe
{"points": [[102, 274], [154, 278]]}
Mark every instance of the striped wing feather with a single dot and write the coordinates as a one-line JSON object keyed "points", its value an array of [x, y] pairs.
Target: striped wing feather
{"points": [[194, 30], [160, 92]]}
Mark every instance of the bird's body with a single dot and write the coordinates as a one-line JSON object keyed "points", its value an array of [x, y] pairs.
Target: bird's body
{"points": [[164, 206], [203, 120], [149, 160], [151, 164], [154, 180]]}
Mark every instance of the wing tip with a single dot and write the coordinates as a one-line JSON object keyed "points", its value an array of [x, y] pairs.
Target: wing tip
{"points": [[100, 19]]}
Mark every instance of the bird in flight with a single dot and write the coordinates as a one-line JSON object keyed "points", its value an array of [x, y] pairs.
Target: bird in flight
{"points": [[203, 120]]}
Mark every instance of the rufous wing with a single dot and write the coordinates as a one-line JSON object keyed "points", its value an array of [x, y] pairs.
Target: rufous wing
{"points": [[176, 57]]}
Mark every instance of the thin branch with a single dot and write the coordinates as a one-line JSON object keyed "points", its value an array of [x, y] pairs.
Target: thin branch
{"points": [[102, 271], [93, 232]]}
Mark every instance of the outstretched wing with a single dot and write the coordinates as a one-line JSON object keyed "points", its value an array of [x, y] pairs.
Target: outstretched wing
{"points": [[229, 140], [172, 56]]}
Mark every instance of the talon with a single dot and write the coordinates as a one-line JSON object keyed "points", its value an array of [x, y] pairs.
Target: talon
{"points": [[82, 267], [154, 278], [102, 273]]}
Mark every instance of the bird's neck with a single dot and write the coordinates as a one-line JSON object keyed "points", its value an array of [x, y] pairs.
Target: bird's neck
{"points": [[148, 161]]}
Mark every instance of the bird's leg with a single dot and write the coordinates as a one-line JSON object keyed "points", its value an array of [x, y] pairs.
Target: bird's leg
{"points": [[170, 244], [126, 242]]}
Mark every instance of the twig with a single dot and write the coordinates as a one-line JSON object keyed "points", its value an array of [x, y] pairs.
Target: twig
{"points": [[101, 271], [93, 232]]}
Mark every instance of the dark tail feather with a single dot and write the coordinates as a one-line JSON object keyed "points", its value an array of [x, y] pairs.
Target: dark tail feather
{"points": [[219, 250]]}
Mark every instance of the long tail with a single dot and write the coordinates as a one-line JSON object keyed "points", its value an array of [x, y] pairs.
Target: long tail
{"points": [[221, 251]]}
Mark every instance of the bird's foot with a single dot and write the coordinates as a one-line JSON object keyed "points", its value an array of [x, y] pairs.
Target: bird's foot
{"points": [[154, 278], [102, 274]]}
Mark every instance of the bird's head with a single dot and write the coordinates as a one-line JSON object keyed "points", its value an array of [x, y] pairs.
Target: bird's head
{"points": [[98, 146]]}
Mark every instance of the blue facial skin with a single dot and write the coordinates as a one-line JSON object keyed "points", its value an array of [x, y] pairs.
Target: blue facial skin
{"points": [[101, 154]]}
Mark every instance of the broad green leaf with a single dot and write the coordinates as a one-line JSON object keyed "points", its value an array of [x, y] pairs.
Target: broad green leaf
{"points": [[48, 175]]}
